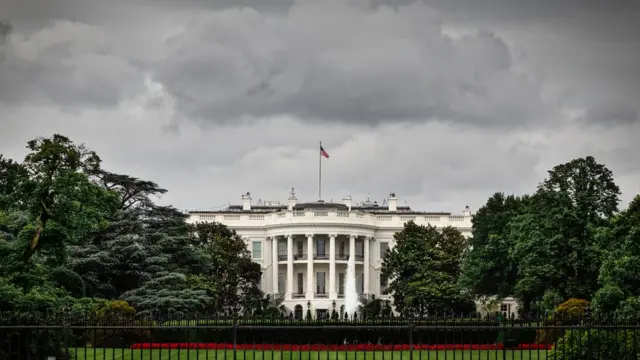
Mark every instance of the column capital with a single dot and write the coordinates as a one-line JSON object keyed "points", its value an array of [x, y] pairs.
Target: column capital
{"points": [[289, 236], [353, 236], [309, 235], [333, 235], [368, 238]]}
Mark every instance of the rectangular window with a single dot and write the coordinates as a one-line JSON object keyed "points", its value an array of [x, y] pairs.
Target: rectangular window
{"points": [[256, 250], [341, 283], [282, 248], [320, 249], [300, 283], [341, 251], [299, 248], [282, 282], [384, 285], [320, 283], [384, 247], [360, 283], [359, 249]]}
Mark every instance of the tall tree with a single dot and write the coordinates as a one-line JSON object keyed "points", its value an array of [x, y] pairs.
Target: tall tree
{"points": [[234, 276], [620, 271], [11, 174], [488, 268], [59, 190], [424, 267], [556, 240]]}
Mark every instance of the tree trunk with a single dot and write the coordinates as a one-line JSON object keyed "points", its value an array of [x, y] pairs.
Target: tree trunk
{"points": [[33, 244]]}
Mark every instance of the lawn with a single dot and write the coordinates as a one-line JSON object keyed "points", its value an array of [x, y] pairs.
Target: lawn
{"points": [[130, 354]]}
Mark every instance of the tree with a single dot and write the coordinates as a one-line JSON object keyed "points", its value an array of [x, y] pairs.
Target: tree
{"points": [[58, 189], [556, 239], [424, 266], [620, 271], [145, 254], [11, 174], [234, 275], [488, 269]]}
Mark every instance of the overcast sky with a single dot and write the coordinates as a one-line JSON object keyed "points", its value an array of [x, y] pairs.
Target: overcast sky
{"points": [[443, 103]]}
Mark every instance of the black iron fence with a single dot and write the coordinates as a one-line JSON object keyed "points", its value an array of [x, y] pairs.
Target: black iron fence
{"points": [[202, 337]]}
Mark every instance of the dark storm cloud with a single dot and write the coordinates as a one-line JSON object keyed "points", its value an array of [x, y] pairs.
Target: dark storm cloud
{"points": [[337, 62]]}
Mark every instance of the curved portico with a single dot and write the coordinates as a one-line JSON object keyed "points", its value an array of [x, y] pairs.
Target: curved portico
{"points": [[312, 265]]}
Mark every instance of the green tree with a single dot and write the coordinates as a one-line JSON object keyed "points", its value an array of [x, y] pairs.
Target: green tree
{"points": [[235, 277], [557, 241], [620, 271], [58, 189], [11, 174], [488, 269], [424, 266]]}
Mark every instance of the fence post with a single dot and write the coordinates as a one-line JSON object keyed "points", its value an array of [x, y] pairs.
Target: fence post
{"points": [[411, 339], [235, 337]]}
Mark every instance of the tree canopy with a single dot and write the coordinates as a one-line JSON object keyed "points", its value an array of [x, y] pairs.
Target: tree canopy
{"points": [[74, 233]]}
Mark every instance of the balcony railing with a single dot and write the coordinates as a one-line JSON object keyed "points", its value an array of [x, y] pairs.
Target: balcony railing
{"points": [[325, 256], [321, 293], [297, 295]]}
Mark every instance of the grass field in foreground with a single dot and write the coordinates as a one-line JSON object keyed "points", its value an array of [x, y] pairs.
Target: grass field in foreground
{"points": [[128, 354]]}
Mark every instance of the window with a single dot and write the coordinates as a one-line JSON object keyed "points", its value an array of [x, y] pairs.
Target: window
{"points": [[300, 283], [320, 247], [505, 308], [384, 285], [341, 283], [300, 248], [320, 283], [360, 283], [282, 279], [384, 247], [282, 248], [256, 250], [359, 249], [341, 251]]}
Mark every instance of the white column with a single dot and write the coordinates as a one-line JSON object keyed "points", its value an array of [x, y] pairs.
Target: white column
{"points": [[289, 294], [333, 294], [310, 274], [352, 246], [366, 264], [274, 263]]}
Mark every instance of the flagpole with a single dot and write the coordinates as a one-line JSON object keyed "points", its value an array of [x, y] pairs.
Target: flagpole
{"points": [[320, 172]]}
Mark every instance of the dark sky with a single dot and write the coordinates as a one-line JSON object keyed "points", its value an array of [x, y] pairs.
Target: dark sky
{"points": [[441, 102]]}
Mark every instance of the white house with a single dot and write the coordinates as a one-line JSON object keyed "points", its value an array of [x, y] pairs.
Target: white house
{"points": [[303, 248]]}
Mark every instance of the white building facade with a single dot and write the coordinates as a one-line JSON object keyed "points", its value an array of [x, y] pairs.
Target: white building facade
{"points": [[303, 248]]}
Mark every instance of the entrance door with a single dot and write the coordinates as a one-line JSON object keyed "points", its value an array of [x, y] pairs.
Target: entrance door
{"points": [[322, 314]]}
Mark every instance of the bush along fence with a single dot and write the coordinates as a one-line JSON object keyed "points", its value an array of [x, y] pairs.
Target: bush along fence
{"points": [[69, 336]]}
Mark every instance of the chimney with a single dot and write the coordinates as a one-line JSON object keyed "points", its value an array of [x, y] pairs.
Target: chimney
{"points": [[347, 201], [467, 211], [393, 202], [246, 202]]}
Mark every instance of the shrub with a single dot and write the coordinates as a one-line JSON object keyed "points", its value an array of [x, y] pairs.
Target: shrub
{"points": [[597, 345], [117, 312], [568, 313]]}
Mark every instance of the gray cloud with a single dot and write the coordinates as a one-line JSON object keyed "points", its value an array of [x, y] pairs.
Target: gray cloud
{"points": [[339, 63], [443, 103]]}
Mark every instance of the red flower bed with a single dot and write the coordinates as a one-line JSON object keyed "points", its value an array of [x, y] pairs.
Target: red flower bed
{"points": [[322, 347]]}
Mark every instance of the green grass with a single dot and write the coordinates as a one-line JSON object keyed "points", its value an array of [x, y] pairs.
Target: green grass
{"points": [[128, 354]]}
